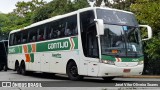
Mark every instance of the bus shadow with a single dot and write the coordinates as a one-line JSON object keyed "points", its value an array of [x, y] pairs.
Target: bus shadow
{"points": [[64, 77]]}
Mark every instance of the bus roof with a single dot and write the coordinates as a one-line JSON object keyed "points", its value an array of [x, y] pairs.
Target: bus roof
{"points": [[66, 15]]}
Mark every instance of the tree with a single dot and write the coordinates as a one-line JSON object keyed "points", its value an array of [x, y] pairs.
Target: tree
{"points": [[23, 8], [147, 12], [57, 7]]}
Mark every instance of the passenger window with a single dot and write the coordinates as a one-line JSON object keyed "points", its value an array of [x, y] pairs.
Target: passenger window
{"points": [[41, 35], [24, 36], [33, 34], [11, 39], [17, 38], [49, 31], [71, 26]]}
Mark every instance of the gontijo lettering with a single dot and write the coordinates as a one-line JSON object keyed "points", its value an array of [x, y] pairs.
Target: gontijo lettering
{"points": [[58, 45]]}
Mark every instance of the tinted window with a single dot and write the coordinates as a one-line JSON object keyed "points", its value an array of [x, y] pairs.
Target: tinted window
{"points": [[33, 34], [57, 29], [62, 28], [11, 39], [17, 38], [88, 34], [41, 33], [116, 17], [24, 38]]}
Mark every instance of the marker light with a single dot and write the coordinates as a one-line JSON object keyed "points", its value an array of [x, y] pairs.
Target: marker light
{"points": [[108, 62]]}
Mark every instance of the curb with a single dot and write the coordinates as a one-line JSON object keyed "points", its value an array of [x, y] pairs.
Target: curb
{"points": [[141, 76]]}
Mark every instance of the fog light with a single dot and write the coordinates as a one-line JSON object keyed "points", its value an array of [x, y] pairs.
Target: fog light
{"points": [[140, 62], [108, 62]]}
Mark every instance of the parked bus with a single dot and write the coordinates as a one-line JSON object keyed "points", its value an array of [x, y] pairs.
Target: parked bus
{"points": [[3, 54], [93, 41]]}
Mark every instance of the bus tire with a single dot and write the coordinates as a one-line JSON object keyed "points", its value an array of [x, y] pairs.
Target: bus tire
{"points": [[5, 68], [18, 69], [23, 69], [16, 66], [107, 79], [72, 72]]}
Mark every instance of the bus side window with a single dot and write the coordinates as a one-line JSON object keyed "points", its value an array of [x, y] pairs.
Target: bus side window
{"points": [[33, 34], [49, 31], [15, 41], [24, 36], [41, 33], [71, 26], [33, 38], [17, 38], [11, 39]]}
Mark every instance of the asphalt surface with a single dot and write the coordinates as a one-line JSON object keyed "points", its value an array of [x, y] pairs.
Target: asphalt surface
{"points": [[61, 82]]}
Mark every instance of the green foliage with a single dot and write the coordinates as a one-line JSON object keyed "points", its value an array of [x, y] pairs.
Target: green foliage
{"points": [[57, 7], [23, 8], [147, 12], [20, 17], [29, 12]]}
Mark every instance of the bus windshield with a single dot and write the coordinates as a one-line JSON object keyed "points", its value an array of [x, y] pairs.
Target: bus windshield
{"points": [[117, 17], [121, 34], [121, 41]]}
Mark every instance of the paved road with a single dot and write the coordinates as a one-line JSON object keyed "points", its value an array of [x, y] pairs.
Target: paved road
{"points": [[61, 82]]}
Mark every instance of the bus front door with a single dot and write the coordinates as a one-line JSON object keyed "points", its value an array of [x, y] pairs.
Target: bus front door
{"points": [[92, 51]]}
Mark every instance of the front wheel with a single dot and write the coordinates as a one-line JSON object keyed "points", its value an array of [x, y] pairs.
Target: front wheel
{"points": [[72, 72]]}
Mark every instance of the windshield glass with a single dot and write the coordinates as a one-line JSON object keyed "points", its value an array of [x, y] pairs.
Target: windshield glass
{"points": [[121, 41], [117, 17], [121, 34]]}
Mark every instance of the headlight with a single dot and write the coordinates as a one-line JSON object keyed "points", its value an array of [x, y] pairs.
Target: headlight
{"points": [[140, 62], [108, 62]]}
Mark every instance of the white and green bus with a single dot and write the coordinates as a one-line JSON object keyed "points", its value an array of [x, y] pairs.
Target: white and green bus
{"points": [[93, 41]]}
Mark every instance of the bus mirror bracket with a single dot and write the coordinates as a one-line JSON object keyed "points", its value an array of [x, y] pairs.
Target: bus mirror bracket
{"points": [[149, 30], [100, 26]]}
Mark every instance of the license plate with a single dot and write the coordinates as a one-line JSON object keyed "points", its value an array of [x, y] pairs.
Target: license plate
{"points": [[126, 70]]}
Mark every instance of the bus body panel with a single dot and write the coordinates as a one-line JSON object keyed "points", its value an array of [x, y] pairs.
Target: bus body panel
{"points": [[111, 70], [53, 55], [44, 61]]}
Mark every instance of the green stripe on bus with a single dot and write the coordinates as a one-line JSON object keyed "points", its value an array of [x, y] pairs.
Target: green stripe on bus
{"points": [[56, 45], [15, 50], [29, 48], [32, 57], [113, 58], [53, 45], [20, 49], [75, 42], [105, 57]]}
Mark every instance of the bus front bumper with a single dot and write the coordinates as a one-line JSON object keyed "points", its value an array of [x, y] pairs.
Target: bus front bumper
{"points": [[106, 70]]}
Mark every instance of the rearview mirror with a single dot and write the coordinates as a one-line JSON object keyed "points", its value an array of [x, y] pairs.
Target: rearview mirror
{"points": [[100, 26], [149, 30]]}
